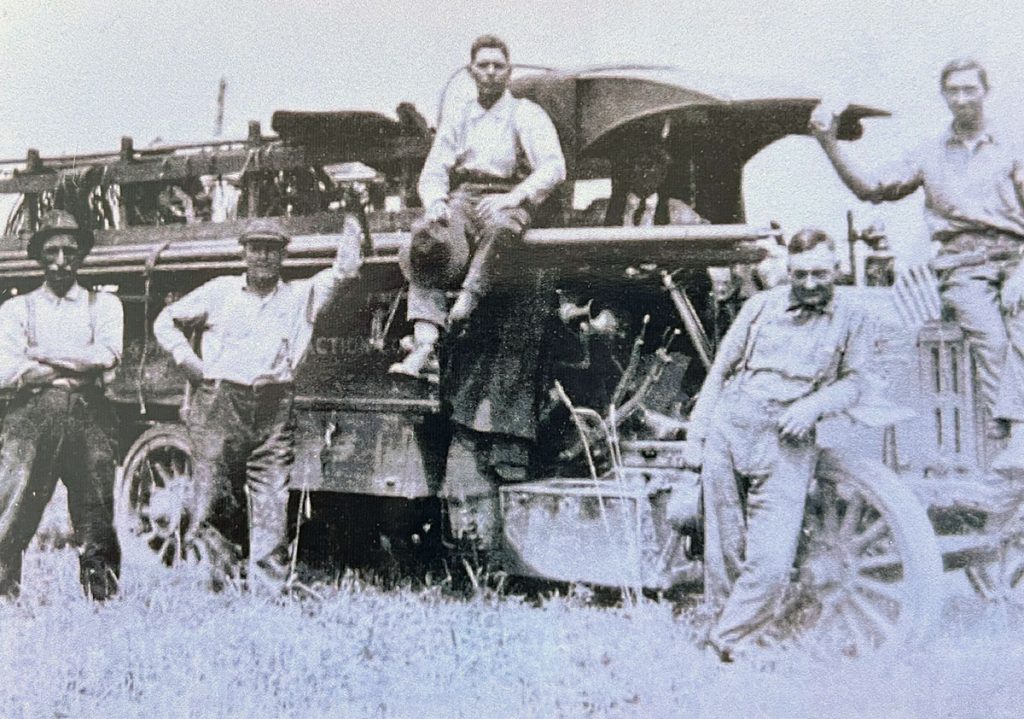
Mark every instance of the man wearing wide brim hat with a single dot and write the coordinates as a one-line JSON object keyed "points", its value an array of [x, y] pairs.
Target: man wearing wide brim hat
{"points": [[255, 330], [59, 222], [56, 344]]}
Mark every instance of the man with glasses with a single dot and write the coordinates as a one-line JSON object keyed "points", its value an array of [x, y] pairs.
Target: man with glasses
{"points": [[795, 354]]}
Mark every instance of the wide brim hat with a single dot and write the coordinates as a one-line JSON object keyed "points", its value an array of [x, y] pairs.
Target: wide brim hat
{"points": [[59, 222], [264, 230], [430, 255]]}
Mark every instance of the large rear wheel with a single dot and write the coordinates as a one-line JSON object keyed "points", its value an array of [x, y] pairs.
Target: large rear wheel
{"points": [[870, 570], [149, 499]]}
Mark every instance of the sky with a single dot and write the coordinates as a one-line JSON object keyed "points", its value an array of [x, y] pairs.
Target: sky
{"points": [[79, 75]]}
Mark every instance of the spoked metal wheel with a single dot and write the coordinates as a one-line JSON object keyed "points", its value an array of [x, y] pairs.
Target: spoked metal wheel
{"points": [[1002, 578], [149, 500], [870, 570]]}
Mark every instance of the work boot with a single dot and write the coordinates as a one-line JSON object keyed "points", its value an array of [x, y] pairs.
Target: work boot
{"points": [[420, 363]]}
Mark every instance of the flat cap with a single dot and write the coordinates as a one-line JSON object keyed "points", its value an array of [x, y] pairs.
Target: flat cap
{"points": [[266, 229]]}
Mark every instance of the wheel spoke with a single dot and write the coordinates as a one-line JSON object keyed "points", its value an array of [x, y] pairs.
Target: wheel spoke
{"points": [[856, 631], [869, 536], [886, 590], [161, 471], [879, 561], [851, 519], [874, 618]]}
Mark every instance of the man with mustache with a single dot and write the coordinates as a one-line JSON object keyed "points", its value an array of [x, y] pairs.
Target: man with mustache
{"points": [[794, 354], [973, 185], [56, 345], [255, 331]]}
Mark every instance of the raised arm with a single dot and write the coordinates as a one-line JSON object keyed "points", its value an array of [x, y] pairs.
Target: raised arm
{"points": [[347, 262], [899, 181]]}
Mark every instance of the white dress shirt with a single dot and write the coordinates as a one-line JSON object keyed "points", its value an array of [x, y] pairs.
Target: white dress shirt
{"points": [[247, 338], [488, 141], [57, 327]]}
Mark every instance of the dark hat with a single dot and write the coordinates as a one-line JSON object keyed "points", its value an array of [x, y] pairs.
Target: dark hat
{"points": [[264, 229], [430, 255], [59, 222]]}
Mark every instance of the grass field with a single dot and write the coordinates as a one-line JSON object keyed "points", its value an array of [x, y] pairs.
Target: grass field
{"points": [[165, 648]]}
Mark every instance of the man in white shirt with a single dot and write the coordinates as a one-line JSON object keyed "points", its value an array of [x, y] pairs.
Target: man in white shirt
{"points": [[493, 162], [56, 345], [255, 331], [973, 182]]}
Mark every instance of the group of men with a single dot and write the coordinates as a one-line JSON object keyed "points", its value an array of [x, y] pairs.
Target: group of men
{"points": [[799, 353], [795, 353]]}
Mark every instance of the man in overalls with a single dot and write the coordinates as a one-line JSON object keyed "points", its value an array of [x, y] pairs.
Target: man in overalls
{"points": [[56, 344], [795, 354]]}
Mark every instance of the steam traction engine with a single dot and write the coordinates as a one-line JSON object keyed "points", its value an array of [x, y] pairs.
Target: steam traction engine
{"points": [[631, 336]]}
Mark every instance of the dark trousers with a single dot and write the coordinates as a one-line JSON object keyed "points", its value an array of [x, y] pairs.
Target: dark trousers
{"points": [[50, 434], [243, 438], [439, 256]]}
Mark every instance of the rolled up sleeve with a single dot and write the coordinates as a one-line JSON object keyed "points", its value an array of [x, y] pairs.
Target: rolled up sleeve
{"points": [[896, 181]]}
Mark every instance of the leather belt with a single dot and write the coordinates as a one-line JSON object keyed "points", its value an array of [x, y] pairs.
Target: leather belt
{"points": [[480, 182], [264, 387]]}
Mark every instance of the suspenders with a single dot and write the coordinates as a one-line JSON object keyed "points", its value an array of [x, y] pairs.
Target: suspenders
{"points": [[31, 336]]}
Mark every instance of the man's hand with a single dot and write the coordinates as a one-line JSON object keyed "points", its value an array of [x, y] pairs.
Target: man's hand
{"points": [[798, 421], [39, 373], [1012, 294], [193, 367], [74, 365], [437, 212], [491, 207], [824, 124]]}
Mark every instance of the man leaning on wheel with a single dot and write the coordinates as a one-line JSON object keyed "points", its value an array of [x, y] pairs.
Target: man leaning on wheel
{"points": [[794, 354]]}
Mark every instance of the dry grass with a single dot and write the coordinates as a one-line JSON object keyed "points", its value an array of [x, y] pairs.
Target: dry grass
{"points": [[166, 649]]}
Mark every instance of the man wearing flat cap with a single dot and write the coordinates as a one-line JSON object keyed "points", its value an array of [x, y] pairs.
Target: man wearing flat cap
{"points": [[56, 344], [255, 331]]}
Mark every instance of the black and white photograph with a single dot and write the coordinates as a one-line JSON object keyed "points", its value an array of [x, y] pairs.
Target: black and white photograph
{"points": [[511, 360]]}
